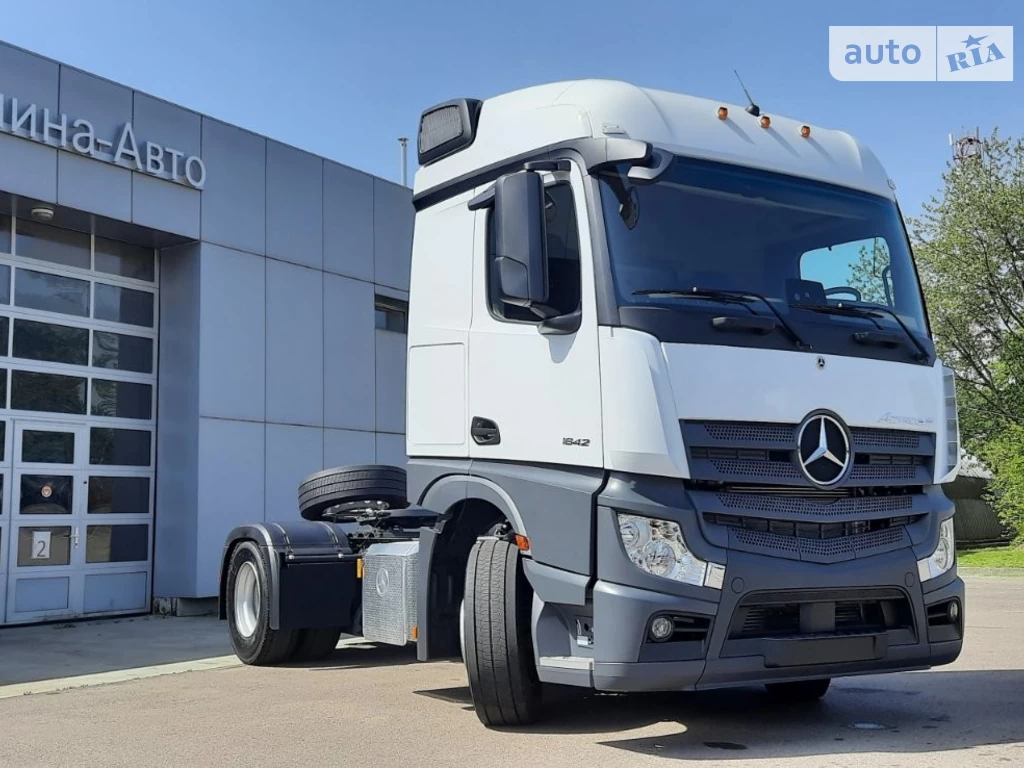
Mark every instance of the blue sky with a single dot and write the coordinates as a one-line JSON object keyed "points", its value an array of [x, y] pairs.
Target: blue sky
{"points": [[345, 79]]}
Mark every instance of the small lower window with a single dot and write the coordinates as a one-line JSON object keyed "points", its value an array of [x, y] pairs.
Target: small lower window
{"points": [[391, 314]]}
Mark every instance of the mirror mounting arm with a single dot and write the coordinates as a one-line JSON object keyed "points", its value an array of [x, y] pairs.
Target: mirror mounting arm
{"points": [[562, 325]]}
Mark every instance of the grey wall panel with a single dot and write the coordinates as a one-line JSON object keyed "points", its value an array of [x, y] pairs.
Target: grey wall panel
{"points": [[392, 233], [293, 453], [232, 339], [165, 206], [295, 344], [344, 447], [28, 78], [390, 367], [95, 187], [234, 198], [168, 125], [231, 467], [391, 449], [106, 105], [294, 205], [28, 169], [348, 221], [177, 452], [349, 371]]}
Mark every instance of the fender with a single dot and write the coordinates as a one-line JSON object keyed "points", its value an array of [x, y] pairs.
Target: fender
{"points": [[449, 490], [312, 572]]}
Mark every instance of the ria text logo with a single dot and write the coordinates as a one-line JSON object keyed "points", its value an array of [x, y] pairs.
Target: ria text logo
{"points": [[30, 121], [921, 53]]}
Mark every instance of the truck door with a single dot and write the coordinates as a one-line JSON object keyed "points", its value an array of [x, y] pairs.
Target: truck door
{"points": [[536, 398]]}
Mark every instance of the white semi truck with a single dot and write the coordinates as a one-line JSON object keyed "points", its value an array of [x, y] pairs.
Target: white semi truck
{"points": [[675, 418]]}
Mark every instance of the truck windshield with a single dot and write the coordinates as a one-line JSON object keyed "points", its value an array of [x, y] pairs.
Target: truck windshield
{"points": [[804, 246]]}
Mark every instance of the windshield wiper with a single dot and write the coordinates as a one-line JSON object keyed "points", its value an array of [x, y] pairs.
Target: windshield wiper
{"points": [[868, 313], [725, 296]]}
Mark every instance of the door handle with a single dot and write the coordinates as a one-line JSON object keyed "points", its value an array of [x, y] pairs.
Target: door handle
{"points": [[484, 431]]}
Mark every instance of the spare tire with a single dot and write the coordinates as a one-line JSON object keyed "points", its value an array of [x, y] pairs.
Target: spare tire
{"points": [[347, 485]]}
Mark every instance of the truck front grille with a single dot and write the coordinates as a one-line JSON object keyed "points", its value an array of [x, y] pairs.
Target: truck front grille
{"points": [[751, 452], [827, 504], [808, 530], [821, 613], [871, 468]]}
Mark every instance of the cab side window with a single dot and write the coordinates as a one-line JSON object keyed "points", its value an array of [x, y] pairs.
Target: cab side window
{"points": [[563, 258]]}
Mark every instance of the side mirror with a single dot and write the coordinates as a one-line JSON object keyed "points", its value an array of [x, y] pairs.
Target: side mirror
{"points": [[519, 238]]}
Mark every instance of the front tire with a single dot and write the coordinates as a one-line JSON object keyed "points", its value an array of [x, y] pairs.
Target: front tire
{"points": [[248, 600], [800, 691], [498, 644]]}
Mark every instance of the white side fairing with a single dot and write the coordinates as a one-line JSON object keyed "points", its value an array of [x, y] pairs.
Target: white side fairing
{"points": [[439, 317], [641, 428]]}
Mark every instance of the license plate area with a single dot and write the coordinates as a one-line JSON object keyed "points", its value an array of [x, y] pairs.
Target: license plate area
{"points": [[803, 651]]}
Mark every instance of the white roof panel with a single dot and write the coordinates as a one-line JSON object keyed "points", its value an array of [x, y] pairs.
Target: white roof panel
{"points": [[520, 121]]}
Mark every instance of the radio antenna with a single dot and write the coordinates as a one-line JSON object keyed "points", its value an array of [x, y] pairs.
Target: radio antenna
{"points": [[752, 108]]}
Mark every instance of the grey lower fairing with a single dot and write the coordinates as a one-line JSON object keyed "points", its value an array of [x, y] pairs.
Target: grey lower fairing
{"points": [[593, 606], [553, 506]]}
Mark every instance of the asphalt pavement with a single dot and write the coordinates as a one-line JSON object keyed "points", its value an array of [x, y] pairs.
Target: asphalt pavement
{"points": [[370, 706]]}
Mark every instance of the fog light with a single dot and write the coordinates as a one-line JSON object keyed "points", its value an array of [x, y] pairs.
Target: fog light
{"points": [[953, 611], [662, 629]]}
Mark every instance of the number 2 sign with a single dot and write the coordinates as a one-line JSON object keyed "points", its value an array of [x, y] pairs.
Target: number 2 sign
{"points": [[40, 545]]}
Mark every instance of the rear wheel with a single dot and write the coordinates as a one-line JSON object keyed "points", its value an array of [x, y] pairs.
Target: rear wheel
{"points": [[800, 690], [316, 644], [248, 599], [498, 647]]}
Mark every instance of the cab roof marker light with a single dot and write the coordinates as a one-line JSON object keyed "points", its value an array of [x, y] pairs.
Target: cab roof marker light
{"points": [[723, 113], [766, 122], [805, 131]]}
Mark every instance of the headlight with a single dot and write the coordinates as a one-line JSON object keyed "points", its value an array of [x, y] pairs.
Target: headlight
{"points": [[657, 547], [942, 559], [952, 422]]}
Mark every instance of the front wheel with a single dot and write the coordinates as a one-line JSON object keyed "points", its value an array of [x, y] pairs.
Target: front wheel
{"points": [[800, 690], [248, 599], [497, 644]]}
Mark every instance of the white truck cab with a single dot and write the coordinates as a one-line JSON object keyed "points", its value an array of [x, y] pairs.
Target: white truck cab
{"points": [[674, 416]]}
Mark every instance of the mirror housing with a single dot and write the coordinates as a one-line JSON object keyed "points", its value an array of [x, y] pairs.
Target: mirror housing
{"points": [[519, 239]]}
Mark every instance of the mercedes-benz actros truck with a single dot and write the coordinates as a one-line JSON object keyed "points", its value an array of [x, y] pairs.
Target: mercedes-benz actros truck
{"points": [[675, 419]]}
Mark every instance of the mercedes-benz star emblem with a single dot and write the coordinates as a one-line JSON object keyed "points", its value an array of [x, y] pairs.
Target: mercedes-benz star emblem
{"points": [[824, 449], [383, 582]]}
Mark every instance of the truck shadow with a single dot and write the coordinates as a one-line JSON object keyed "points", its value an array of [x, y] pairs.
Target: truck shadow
{"points": [[897, 714], [354, 654]]}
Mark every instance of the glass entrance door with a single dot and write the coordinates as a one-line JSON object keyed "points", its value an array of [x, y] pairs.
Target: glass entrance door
{"points": [[46, 548]]}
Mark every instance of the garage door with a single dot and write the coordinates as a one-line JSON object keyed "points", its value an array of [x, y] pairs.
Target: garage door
{"points": [[78, 345]]}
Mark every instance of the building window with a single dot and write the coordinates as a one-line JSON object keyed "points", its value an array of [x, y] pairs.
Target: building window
{"points": [[391, 314], [125, 260], [5, 234], [66, 247]]}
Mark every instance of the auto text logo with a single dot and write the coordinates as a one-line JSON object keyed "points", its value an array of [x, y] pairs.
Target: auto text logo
{"points": [[921, 53]]}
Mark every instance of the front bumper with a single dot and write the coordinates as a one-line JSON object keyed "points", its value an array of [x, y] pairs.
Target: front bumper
{"points": [[620, 656], [622, 615]]}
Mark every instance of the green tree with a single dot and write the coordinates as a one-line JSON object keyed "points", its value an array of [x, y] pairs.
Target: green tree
{"points": [[969, 244], [868, 274]]}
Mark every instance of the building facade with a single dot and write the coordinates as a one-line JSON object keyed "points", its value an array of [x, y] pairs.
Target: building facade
{"points": [[192, 319]]}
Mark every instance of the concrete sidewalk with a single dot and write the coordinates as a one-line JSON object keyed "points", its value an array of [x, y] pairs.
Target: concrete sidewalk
{"points": [[50, 656]]}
